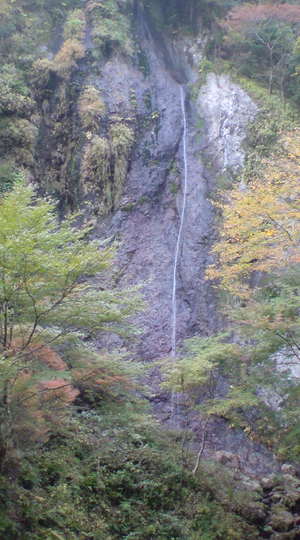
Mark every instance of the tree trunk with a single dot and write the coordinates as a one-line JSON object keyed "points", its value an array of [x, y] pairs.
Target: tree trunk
{"points": [[271, 74]]}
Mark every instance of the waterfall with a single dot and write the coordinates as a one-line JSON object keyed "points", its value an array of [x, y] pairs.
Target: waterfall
{"points": [[179, 238], [178, 245]]}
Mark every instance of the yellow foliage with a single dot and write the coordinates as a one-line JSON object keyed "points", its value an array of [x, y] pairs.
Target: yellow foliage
{"points": [[67, 57], [261, 227], [75, 25], [91, 108], [4, 7], [40, 72]]}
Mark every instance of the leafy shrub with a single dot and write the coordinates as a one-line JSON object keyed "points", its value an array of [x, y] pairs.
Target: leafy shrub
{"points": [[75, 25], [14, 93], [113, 475], [67, 57], [273, 119], [40, 73], [91, 108], [110, 27], [17, 137], [261, 39], [8, 174]]}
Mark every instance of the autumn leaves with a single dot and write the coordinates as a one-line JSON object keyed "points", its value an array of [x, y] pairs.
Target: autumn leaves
{"points": [[261, 226]]}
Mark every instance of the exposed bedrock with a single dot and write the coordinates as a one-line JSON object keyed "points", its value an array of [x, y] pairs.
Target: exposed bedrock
{"points": [[147, 220]]}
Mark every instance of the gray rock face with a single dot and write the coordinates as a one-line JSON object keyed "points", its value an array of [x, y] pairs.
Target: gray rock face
{"points": [[227, 111], [281, 519], [286, 364], [153, 192], [147, 222]]}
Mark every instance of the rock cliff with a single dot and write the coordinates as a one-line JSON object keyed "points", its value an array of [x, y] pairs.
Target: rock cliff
{"points": [[108, 137]]}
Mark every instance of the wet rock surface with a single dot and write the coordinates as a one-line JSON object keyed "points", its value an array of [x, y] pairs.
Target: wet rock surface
{"points": [[147, 220], [143, 92]]}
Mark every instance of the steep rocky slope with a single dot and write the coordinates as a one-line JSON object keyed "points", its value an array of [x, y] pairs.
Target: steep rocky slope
{"points": [[147, 219], [103, 130]]}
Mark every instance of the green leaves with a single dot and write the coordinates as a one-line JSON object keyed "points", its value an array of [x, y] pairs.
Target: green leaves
{"points": [[53, 292], [41, 269], [201, 358], [261, 38]]}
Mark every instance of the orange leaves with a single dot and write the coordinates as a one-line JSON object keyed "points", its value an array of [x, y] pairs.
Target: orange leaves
{"points": [[261, 229], [99, 379], [38, 399], [246, 14], [39, 351], [49, 357], [58, 390]]}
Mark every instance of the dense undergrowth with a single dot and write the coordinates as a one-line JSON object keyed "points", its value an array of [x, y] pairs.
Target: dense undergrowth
{"points": [[111, 475]]}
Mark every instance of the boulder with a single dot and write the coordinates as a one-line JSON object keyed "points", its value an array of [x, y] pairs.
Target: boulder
{"points": [[281, 520], [287, 468]]}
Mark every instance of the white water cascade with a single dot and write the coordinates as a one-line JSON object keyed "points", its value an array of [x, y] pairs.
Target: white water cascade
{"points": [[178, 243], [179, 238]]}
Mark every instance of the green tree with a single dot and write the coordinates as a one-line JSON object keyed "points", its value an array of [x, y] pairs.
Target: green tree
{"points": [[258, 268], [48, 303], [258, 271], [262, 39], [188, 13]]}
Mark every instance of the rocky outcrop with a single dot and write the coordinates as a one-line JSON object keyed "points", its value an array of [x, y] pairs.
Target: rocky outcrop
{"points": [[281, 496], [227, 111], [148, 218]]}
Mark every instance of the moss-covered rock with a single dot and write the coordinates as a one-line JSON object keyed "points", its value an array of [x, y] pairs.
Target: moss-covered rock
{"points": [[96, 173], [281, 519], [122, 139]]}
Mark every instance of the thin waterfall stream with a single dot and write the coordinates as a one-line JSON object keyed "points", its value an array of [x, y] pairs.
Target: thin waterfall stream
{"points": [[179, 239]]}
